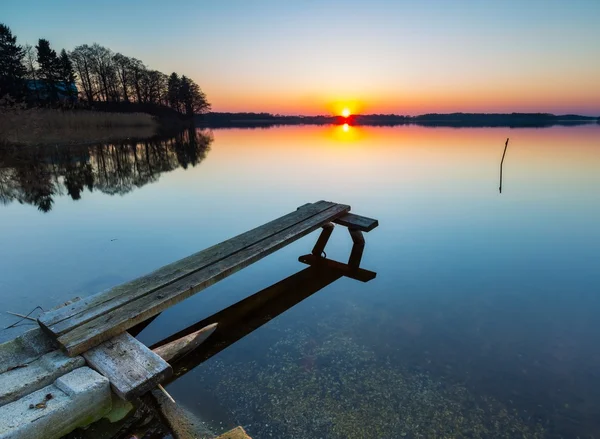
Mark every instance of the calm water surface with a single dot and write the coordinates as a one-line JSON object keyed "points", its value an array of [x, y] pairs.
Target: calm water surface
{"points": [[483, 318]]}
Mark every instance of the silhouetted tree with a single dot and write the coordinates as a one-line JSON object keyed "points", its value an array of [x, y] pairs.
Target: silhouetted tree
{"points": [[123, 68], [31, 66], [173, 86], [100, 74], [81, 58], [104, 71], [67, 74], [49, 67], [12, 69], [138, 70], [193, 99]]}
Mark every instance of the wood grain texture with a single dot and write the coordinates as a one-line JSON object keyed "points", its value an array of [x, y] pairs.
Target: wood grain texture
{"points": [[178, 348], [357, 222], [65, 319], [106, 324], [129, 365]]}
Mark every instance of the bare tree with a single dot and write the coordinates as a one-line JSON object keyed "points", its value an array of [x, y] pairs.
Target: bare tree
{"points": [[123, 67], [81, 58]]}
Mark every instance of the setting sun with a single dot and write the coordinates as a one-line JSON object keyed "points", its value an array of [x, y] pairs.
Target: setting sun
{"points": [[345, 112]]}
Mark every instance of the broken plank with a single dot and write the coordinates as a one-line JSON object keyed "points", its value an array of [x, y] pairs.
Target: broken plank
{"points": [[129, 365], [65, 319], [178, 348], [357, 222], [105, 326]]}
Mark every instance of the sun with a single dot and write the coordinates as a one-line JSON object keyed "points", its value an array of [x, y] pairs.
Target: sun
{"points": [[345, 112]]}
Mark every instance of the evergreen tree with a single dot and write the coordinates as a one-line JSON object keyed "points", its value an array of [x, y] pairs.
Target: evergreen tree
{"points": [[49, 67], [12, 69], [173, 85], [67, 74]]}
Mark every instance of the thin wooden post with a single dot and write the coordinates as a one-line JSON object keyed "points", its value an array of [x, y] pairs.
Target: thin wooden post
{"points": [[357, 248], [502, 163], [319, 247]]}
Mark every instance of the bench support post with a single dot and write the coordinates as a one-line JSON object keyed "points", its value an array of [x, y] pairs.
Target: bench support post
{"points": [[319, 247], [357, 248]]}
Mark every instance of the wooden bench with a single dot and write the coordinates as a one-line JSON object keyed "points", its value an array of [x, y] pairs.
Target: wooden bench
{"points": [[90, 321]]}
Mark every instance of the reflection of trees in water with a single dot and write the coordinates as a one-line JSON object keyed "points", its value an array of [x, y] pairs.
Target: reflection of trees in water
{"points": [[34, 176]]}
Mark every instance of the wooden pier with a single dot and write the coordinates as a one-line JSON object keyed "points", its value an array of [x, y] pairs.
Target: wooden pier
{"points": [[86, 350]]}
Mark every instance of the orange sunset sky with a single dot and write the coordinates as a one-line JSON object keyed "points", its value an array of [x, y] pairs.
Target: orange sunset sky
{"points": [[318, 57]]}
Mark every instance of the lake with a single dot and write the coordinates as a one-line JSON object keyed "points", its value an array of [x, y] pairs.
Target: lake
{"points": [[482, 320]]}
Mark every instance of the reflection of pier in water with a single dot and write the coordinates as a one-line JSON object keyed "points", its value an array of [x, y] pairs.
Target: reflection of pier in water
{"points": [[37, 175], [245, 316]]}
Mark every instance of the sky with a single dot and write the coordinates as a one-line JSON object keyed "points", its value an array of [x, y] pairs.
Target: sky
{"points": [[321, 56]]}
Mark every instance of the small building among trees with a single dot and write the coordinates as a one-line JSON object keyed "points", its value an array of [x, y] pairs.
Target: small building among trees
{"points": [[41, 91]]}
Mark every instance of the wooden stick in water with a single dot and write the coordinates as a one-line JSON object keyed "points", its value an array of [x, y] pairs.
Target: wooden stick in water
{"points": [[163, 390], [21, 315], [502, 163]]}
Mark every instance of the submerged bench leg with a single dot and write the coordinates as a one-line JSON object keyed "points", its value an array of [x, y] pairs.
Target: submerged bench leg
{"points": [[319, 247], [357, 248]]}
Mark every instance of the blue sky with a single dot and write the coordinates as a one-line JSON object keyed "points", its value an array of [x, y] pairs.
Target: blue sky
{"points": [[319, 56]]}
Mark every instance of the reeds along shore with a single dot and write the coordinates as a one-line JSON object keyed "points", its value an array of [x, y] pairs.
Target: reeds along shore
{"points": [[40, 126]]}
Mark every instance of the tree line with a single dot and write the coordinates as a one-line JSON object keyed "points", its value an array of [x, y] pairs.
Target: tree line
{"points": [[100, 75]]}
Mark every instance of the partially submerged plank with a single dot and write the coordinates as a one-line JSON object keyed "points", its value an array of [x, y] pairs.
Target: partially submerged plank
{"points": [[249, 314], [345, 270], [107, 324], [29, 377], [357, 222], [175, 271], [178, 348], [236, 433], [129, 365]]}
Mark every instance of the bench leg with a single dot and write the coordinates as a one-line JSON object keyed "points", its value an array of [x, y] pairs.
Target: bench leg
{"points": [[357, 248], [319, 247]]}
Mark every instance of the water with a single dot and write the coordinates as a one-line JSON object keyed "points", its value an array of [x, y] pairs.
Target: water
{"points": [[482, 321]]}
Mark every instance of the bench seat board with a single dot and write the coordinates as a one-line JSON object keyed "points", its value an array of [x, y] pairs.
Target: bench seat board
{"points": [[177, 270], [357, 222], [98, 318]]}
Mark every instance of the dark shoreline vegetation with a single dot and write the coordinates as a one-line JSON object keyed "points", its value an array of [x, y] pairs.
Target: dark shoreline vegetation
{"points": [[36, 174], [471, 120], [49, 93]]}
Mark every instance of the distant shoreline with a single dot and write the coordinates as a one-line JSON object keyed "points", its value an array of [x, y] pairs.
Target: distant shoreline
{"points": [[458, 120]]}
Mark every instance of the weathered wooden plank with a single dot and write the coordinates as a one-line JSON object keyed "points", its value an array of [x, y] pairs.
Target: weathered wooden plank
{"points": [[178, 348], [82, 311], [236, 433], [105, 326], [358, 222], [129, 365]]}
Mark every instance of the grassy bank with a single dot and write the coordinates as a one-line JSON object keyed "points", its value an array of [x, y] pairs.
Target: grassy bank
{"points": [[43, 126]]}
